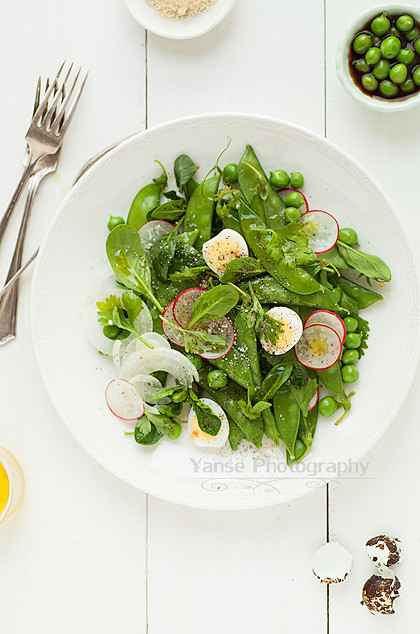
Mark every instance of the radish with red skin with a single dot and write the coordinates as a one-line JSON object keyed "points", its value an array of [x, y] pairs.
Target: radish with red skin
{"points": [[174, 335], [327, 318], [324, 230], [290, 189], [223, 327], [183, 305], [123, 400], [152, 231], [319, 347], [314, 400]]}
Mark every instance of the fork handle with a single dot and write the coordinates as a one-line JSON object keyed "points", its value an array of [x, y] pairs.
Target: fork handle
{"points": [[9, 300], [6, 216]]}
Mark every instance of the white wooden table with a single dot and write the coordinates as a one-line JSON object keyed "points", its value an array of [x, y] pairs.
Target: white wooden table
{"points": [[87, 553]]}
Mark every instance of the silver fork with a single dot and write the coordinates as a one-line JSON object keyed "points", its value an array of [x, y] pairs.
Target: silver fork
{"points": [[44, 139]]}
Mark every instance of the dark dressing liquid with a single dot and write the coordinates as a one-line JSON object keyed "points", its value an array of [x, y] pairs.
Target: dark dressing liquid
{"points": [[376, 41]]}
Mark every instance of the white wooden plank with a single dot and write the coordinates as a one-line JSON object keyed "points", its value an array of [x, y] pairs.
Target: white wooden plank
{"points": [[250, 568], [74, 557], [382, 500]]}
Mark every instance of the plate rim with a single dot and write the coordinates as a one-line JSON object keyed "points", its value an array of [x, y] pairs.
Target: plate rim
{"points": [[206, 502]]}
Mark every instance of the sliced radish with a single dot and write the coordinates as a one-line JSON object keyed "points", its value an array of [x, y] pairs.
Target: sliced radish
{"points": [[123, 400], [314, 399], [319, 347], [223, 327], [183, 304], [327, 318], [153, 230], [290, 189], [173, 334], [322, 230]]}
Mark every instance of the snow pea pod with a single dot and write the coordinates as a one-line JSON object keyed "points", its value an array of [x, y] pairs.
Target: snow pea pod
{"points": [[270, 291], [247, 341], [364, 297], [331, 379], [254, 231], [235, 435], [228, 398], [287, 415], [270, 427], [250, 172], [273, 381], [348, 304], [147, 199], [200, 209], [236, 366]]}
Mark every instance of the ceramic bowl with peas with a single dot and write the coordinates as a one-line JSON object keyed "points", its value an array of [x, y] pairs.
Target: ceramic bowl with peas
{"points": [[378, 60]]}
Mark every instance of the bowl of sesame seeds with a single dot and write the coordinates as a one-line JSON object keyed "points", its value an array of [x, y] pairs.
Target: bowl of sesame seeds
{"points": [[179, 19]]}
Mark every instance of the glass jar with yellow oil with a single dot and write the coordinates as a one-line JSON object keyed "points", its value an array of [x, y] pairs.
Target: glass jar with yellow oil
{"points": [[12, 485]]}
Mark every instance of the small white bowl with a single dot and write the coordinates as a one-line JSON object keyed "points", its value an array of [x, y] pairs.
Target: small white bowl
{"points": [[180, 28], [342, 63]]}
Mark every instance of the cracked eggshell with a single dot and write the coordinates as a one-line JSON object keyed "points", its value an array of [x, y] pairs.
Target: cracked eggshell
{"points": [[384, 550], [331, 563], [379, 594]]}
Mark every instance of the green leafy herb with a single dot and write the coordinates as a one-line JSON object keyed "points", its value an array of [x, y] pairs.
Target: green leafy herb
{"points": [[208, 422], [122, 312], [184, 169], [171, 210], [188, 274], [364, 332], [128, 261], [199, 342], [172, 195], [170, 409], [164, 425], [275, 378], [294, 244], [369, 265], [145, 433], [253, 411], [163, 252], [170, 392], [303, 388], [213, 304], [241, 269]]}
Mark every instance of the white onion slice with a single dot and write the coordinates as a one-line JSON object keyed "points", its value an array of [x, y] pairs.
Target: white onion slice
{"points": [[145, 361], [123, 400], [147, 386]]}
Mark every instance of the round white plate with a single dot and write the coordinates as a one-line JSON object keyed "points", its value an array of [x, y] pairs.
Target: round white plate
{"points": [[76, 376], [181, 28]]}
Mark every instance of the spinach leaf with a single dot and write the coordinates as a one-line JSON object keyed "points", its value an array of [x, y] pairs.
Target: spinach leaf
{"points": [[170, 409], [188, 274], [171, 210], [303, 389], [178, 392], [208, 422], [253, 411], [163, 252], [145, 433], [241, 269], [213, 304], [184, 169], [369, 265], [172, 195], [128, 261], [275, 378]]}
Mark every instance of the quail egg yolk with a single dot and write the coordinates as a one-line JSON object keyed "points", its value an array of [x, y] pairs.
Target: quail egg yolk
{"points": [[284, 338], [220, 253]]}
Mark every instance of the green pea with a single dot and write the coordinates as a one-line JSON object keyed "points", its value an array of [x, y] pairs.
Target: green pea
{"points": [[349, 357], [404, 23], [417, 46], [279, 179], [294, 199], [351, 324], [369, 83], [349, 373], [373, 55], [230, 174], [398, 73], [407, 86], [337, 292], [291, 214], [390, 47], [388, 89], [413, 34], [416, 76], [111, 331], [217, 379], [174, 431], [380, 25], [348, 236], [381, 69], [296, 180], [406, 56], [362, 43], [327, 406], [352, 341], [361, 66], [195, 360], [114, 221]]}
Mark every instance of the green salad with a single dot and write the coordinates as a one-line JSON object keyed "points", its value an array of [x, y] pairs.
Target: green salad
{"points": [[229, 303]]}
